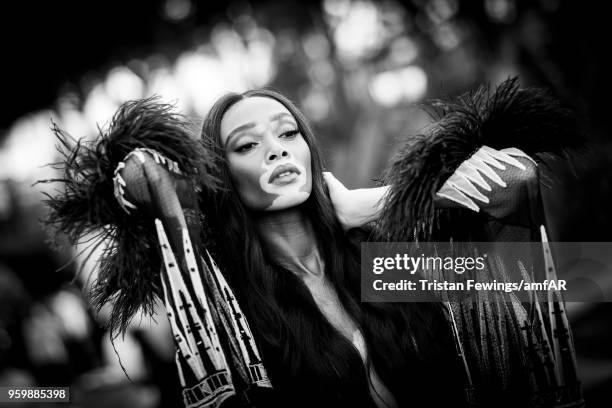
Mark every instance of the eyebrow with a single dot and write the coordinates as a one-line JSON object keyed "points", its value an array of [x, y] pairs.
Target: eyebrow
{"points": [[274, 118]]}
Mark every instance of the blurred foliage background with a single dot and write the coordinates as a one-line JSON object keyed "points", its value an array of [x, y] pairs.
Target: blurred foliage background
{"points": [[359, 69]]}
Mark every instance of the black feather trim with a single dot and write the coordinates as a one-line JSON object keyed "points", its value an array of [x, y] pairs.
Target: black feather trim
{"points": [[129, 267], [529, 119]]}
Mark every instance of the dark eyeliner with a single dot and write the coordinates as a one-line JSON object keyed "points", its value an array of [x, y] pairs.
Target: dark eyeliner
{"points": [[244, 147], [290, 133]]}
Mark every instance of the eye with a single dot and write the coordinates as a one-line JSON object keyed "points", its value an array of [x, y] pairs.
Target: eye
{"points": [[245, 147], [289, 134]]}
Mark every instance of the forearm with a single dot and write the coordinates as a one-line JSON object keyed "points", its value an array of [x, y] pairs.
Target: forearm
{"points": [[494, 181], [370, 203], [499, 200]]}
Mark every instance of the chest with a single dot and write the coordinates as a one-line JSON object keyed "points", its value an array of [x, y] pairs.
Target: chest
{"points": [[331, 307], [328, 302]]}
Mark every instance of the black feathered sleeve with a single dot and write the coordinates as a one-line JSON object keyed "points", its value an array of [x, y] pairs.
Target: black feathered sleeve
{"points": [[85, 202], [528, 119], [502, 344]]}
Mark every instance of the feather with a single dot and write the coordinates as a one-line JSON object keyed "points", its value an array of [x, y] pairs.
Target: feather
{"points": [[85, 204], [494, 331], [528, 119]]}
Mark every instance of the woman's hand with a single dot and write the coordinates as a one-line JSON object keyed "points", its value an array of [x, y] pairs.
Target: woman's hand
{"points": [[476, 179], [354, 208], [470, 186], [147, 179]]}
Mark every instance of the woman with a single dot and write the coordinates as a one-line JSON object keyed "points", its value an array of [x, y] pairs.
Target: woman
{"points": [[299, 272], [284, 236]]}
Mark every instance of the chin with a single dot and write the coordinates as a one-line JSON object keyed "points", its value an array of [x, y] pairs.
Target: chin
{"points": [[286, 201]]}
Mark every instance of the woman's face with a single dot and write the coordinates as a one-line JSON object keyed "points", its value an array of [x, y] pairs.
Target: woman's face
{"points": [[268, 158]]}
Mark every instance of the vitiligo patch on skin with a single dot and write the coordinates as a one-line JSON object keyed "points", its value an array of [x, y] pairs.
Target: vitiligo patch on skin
{"points": [[261, 124], [284, 195]]}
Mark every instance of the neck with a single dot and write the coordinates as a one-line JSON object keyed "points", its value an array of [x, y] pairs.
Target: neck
{"points": [[289, 237]]}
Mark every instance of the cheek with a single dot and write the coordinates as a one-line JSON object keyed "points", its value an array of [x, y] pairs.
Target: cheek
{"points": [[304, 158], [245, 175]]}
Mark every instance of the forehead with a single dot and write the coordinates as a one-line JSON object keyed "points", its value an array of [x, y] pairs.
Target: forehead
{"points": [[255, 109]]}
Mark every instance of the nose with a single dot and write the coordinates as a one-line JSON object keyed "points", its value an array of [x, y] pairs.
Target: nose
{"points": [[276, 152]]}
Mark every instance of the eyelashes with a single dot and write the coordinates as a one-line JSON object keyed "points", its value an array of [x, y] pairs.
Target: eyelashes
{"points": [[290, 134], [245, 147]]}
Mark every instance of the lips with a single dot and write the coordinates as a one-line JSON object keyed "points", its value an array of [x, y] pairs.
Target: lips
{"points": [[282, 169]]}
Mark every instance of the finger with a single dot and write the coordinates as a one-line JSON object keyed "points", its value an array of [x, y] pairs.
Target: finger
{"points": [[513, 151], [120, 180], [333, 182], [502, 156], [484, 168], [468, 170], [119, 185], [137, 153], [465, 186], [120, 166], [484, 155], [457, 196], [127, 204]]}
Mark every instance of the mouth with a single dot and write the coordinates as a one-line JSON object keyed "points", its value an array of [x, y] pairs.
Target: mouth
{"points": [[284, 174]]}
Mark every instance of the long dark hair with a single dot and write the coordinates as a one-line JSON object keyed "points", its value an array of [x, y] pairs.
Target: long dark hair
{"points": [[301, 349]]}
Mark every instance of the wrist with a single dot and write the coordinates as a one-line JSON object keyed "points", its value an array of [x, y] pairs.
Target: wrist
{"points": [[368, 205]]}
